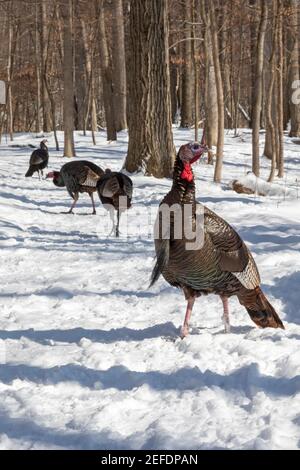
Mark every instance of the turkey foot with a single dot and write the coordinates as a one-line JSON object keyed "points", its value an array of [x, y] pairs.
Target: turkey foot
{"points": [[68, 212], [225, 316], [184, 331], [189, 309]]}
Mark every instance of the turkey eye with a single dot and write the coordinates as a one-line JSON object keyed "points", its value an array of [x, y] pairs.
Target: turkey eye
{"points": [[196, 146]]}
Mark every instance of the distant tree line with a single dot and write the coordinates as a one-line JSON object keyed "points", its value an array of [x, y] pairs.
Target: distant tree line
{"points": [[145, 64]]}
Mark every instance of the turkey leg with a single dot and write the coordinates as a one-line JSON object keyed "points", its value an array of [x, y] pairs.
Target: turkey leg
{"points": [[225, 316], [189, 309], [76, 197], [112, 218], [118, 223], [93, 202]]}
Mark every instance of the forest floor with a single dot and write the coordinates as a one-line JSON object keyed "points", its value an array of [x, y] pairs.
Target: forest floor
{"points": [[90, 357]]}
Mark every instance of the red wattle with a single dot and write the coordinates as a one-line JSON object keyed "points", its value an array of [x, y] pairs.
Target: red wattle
{"points": [[187, 173]]}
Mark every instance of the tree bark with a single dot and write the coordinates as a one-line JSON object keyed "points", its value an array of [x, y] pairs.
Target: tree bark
{"points": [[220, 94], [37, 73], [118, 66], [90, 98], [280, 90], [187, 73], [44, 95], [271, 148], [174, 85], [150, 147], [294, 73], [211, 99], [258, 88], [9, 78], [106, 75], [69, 147], [196, 72]]}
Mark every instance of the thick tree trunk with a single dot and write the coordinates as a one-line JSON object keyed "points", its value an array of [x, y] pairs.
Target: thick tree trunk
{"points": [[9, 110], [280, 90], [69, 147], [150, 147], [294, 72], [44, 95], [118, 66], [258, 88], [187, 73], [253, 53], [271, 148], [106, 75], [37, 73], [220, 94]]}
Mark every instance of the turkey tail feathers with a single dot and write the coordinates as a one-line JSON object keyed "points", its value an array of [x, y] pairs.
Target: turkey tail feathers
{"points": [[261, 312], [30, 171], [162, 260]]}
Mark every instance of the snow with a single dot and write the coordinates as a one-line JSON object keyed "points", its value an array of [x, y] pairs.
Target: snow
{"points": [[90, 358], [262, 187]]}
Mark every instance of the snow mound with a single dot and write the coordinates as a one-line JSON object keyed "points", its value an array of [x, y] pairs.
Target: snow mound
{"points": [[251, 184]]}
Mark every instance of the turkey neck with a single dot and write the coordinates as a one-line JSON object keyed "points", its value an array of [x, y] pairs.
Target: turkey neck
{"points": [[58, 181], [182, 191]]}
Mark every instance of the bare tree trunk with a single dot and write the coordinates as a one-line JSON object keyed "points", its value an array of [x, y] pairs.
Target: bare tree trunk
{"points": [[225, 65], [294, 73], [150, 147], [174, 84], [118, 66], [106, 74], [94, 124], [270, 144], [90, 100], [69, 147], [187, 74], [196, 72], [44, 94], [220, 94], [211, 100], [37, 73], [9, 109], [280, 90], [237, 82], [258, 88], [253, 53]]}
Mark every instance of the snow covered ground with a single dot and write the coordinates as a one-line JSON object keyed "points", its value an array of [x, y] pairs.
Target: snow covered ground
{"points": [[89, 356]]}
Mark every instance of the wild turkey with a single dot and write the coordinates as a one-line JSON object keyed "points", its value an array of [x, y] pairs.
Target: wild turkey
{"points": [[115, 192], [38, 160], [222, 264], [78, 176]]}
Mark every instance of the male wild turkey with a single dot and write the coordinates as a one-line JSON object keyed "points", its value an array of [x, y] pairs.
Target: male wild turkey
{"points": [[38, 160], [222, 265], [78, 176], [115, 192]]}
